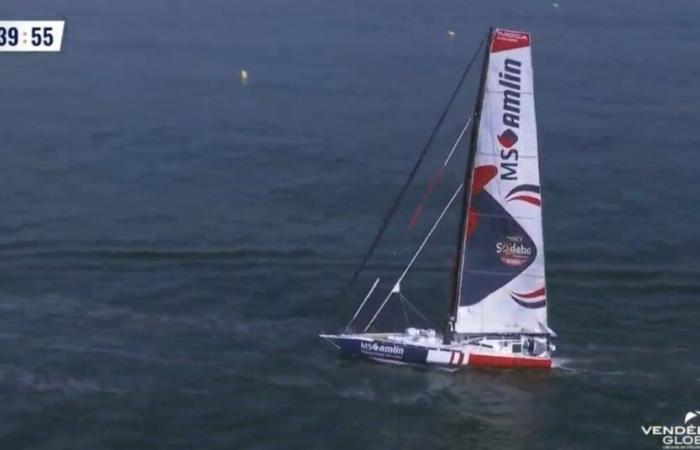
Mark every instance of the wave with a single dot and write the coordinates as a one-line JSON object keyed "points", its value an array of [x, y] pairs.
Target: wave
{"points": [[27, 380], [659, 279], [26, 251]]}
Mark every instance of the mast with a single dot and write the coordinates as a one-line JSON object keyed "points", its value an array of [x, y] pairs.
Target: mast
{"points": [[466, 203]]}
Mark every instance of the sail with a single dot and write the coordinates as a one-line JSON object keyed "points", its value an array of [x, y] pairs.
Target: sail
{"points": [[501, 285]]}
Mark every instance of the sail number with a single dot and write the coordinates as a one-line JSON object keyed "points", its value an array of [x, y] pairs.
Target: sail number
{"points": [[10, 36]]}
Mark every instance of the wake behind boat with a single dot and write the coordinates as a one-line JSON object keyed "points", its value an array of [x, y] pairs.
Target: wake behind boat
{"points": [[498, 311]]}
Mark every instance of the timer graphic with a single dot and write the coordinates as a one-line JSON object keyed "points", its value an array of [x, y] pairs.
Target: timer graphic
{"points": [[31, 35]]}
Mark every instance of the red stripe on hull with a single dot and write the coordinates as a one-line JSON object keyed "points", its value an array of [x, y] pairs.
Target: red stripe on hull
{"points": [[476, 359]]}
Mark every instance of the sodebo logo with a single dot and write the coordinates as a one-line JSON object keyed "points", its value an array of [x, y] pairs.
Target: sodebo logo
{"points": [[686, 436]]}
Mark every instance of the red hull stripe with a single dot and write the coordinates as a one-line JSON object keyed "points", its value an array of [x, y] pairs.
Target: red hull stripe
{"points": [[476, 359]]}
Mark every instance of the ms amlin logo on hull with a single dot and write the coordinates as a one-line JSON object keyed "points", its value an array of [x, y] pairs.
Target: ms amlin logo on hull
{"points": [[686, 436]]}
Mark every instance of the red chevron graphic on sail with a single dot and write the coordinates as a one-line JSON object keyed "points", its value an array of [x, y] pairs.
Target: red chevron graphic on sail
{"points": [[482, 176], [532, 299], [528, 193]]}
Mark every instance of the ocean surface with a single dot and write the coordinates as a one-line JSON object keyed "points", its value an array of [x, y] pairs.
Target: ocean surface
{"points": [[172, 239]]}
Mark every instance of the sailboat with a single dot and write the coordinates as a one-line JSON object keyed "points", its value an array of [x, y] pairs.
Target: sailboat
{"points": [[497, 314]]}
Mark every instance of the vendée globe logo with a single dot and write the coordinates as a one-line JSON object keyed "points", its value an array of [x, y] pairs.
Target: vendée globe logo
{"points": [[685, 437]]}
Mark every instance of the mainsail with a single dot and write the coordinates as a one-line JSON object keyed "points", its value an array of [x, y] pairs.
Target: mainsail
{"points": [[500, 277]]}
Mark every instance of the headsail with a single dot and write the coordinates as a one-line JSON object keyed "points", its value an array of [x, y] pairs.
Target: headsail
{"points": [[501, 285]]}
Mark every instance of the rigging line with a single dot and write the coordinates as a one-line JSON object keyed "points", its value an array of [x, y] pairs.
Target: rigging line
{"points": [[403, 308], [404, 188], [415, 310], [432, 184], [415, 256], [376, 282], [454, 147], [435, 180]]}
